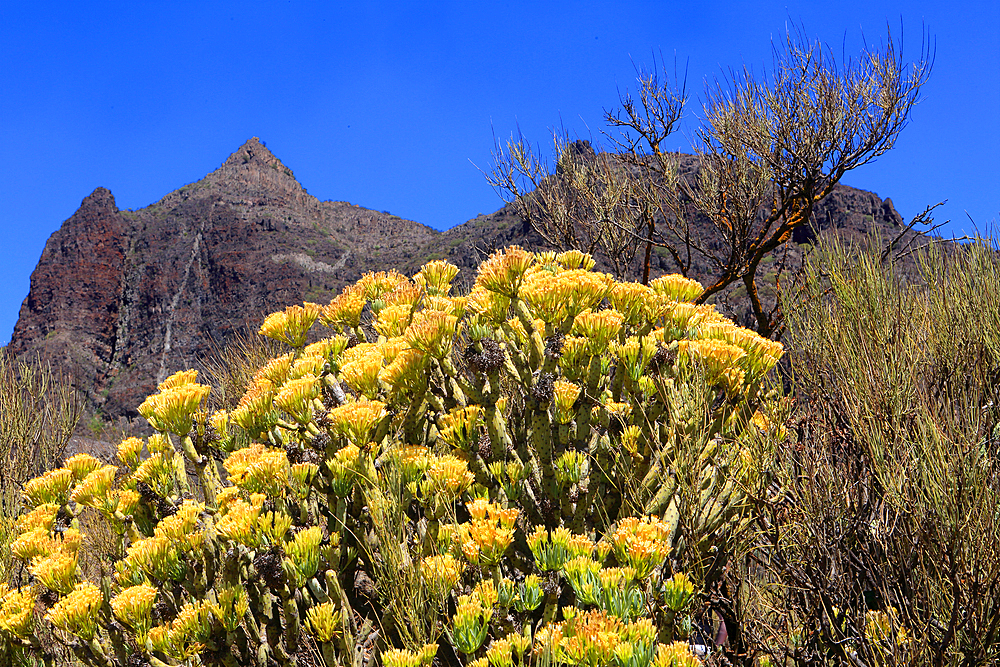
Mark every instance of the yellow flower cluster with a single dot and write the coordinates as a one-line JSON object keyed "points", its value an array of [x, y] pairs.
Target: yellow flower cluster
{"points": [[183, 638], [345, 309], [677, 288], [395, 657], [258, 469], [564, 397], [638, 303], [596, 638], [82, 465], [296, 397], [635, 354], [150, 557], [360, 367], [565, 294], [642, 543], [472, 617], [393, 320], [600, 328], [43, 516], [356, 420], [129, 450], [133, 607], [231, 607], [448, 477], [435, 277], [173, 406], [303, 552], [374, 284], [504, 271], [432, 332], [51, 487], [57, 571], [675, 654], [486, 536], [460, 427], [324, 621], [95, 490], [17, 608], [552, 549], [158, 472], [720, 361], [442, 572], [291, 325], [76, 613]]}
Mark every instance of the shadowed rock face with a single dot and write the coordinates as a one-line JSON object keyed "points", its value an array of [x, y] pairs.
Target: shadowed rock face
{"points": [[125, 298]]}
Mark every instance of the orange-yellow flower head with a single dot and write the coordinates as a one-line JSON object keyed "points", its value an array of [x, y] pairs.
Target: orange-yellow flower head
{"points": [[435, 277], [357, 419], [504, 271], [677, 288], [291, 326], [432, 332], [172, 408], [345, 309]]}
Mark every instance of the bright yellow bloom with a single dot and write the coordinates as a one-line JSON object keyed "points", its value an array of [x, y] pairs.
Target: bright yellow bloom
{"points": [[57, 571], [323, 621], [675, 654], [356, 419], [677, 287], [435, 277], [600, 328], [460, 427], [133, 607], [95, 490], [442, 571], [432, 332], [232, 607], [564, 397], [405, 293], [643, 543], [291, 326], [128, 451], [448, 477], [17, 612], [296, 398], [172, 408], [360, 366], [504, 271], [77, 612], [51, 487], [43, 516], [574, 259], [375, 284], [81, 465], [393, 320]]}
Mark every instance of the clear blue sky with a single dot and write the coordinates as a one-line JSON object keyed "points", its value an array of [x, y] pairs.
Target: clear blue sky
{"points": [[388, 104]]}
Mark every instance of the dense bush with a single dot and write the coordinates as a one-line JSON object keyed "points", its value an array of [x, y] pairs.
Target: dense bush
{"points": [[886, 548], [553, 468]]}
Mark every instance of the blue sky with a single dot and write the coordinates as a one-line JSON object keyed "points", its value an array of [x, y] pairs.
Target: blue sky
{"points": [[388, 104]]}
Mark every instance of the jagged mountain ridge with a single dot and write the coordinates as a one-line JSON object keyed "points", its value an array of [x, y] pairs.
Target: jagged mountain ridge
{"points": [[124, 298]]}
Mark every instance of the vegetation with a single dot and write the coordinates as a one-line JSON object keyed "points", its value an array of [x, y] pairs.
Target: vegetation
{"points": [[771, 147], [459, 477]]}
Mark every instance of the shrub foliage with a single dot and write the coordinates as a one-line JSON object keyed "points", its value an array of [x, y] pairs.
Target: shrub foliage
{"points": [[556, 467]]}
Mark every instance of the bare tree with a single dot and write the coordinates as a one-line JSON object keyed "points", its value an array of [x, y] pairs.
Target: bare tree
{"points": [[771, 146]]}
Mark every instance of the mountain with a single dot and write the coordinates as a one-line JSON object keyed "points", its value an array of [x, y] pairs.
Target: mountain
{"points": [[125, 298]]}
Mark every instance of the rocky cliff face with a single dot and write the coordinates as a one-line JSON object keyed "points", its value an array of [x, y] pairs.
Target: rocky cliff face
{"points": [[124, 298]]}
